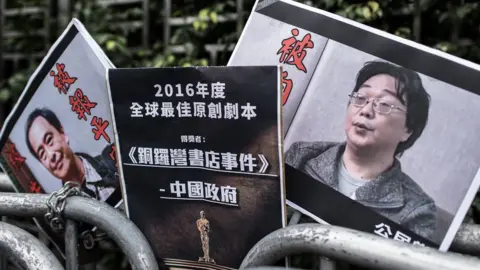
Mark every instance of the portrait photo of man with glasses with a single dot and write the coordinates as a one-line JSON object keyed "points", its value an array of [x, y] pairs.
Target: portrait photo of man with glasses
{"points": [[386, 112]]}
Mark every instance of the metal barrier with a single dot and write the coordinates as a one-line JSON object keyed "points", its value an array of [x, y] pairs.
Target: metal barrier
{"points": [[25, 250], [467, 240], [335, 243], [355, 247], [5, 184], [77, 208]]}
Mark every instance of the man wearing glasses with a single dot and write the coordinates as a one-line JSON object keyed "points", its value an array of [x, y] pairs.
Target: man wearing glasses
{"points": [[386, 114]]}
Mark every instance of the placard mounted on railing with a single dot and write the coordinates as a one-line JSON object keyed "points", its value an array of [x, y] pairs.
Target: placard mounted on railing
{"points": [[381, 134], [201, 159], [61, 128]]}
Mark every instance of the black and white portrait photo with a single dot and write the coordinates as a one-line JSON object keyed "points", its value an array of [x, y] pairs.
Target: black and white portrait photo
{"points": [[387, 137], [380, 131]]}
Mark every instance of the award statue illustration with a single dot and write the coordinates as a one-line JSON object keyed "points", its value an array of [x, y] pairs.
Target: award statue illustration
{"points": [[203, 226]]}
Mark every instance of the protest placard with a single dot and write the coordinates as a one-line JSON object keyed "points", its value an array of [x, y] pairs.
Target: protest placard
{"points": [[61, 129], [380, 133], [201, 158]]}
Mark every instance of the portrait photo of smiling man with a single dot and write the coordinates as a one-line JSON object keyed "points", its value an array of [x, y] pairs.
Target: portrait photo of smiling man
{"points": [[386, 113], [48, 142]]}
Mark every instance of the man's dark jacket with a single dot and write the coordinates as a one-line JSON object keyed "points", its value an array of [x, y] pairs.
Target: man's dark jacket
{"points": [[105, 167], [393, 194]]}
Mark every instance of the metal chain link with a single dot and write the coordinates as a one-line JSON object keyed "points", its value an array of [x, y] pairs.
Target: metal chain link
{"points": [[89, 238], [56, 205]]}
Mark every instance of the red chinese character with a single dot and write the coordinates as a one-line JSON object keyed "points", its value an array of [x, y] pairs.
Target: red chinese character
{"points": [[293, 51], [14, 158], [100, 128], [113, 153], [62, 79], [81, 104], [34, 187], [288, 85]]}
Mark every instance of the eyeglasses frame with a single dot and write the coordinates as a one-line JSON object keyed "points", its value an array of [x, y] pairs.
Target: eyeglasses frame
{"points": [[374, 100]]}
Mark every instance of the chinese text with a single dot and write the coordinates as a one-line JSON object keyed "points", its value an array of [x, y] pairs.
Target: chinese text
{"points": [[287, 87], [79, 101], [197, 190], [61, 79], [15, 159], [186, 109], [224, 161], [191, 139], [293, 51], [385, 231], [212, 90]]}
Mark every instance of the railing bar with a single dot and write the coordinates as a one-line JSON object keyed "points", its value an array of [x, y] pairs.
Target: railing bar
{"points": [[467, 240], [146, 23], [24, 250], [179, 21], [71, 243], [28, 226], [326, 264], [167, 10], [295, 218], [354, 247], [108, 219], [117, 2], [3, 260], [23, 11], [239, 17]]}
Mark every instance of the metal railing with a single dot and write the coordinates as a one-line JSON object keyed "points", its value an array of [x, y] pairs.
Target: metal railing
{"points": [[467, 240], [330, 243], [68, 210], [24, 250], [352, 246]]}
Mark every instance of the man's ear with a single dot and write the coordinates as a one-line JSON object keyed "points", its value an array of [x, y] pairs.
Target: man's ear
{"points": [[406, 135]]}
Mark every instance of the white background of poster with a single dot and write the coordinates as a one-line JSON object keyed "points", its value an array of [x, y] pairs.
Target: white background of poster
{"points": [[260, 47], [76, 57]]}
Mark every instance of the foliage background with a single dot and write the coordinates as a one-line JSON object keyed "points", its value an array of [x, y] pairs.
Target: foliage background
{"points": [[447, 25]]}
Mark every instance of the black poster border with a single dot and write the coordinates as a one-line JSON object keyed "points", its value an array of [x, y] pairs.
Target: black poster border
{"points": [[359, 217], [28, 93]]}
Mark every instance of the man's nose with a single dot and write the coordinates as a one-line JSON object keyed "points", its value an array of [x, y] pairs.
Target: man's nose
{"points": [[367, 110], [50, 155]]}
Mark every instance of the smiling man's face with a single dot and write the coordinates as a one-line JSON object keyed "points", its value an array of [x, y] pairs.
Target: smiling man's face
{"points": [[366, 128], [51, 148]]}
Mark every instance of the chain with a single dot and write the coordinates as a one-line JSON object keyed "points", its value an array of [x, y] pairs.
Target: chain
{"points": [[56, 204], [89, 238]]}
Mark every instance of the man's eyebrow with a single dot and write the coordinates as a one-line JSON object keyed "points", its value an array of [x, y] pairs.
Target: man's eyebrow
{"points": [[390, 92], [395, 95]]}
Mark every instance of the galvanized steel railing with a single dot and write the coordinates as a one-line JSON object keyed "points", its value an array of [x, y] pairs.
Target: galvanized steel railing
{"points": [[467, 240], [78, 208], [24, 250], [335, 243], [355, 247]]}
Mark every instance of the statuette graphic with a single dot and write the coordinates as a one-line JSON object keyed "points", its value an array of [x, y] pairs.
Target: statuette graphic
{"points": [[203, 226]]}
